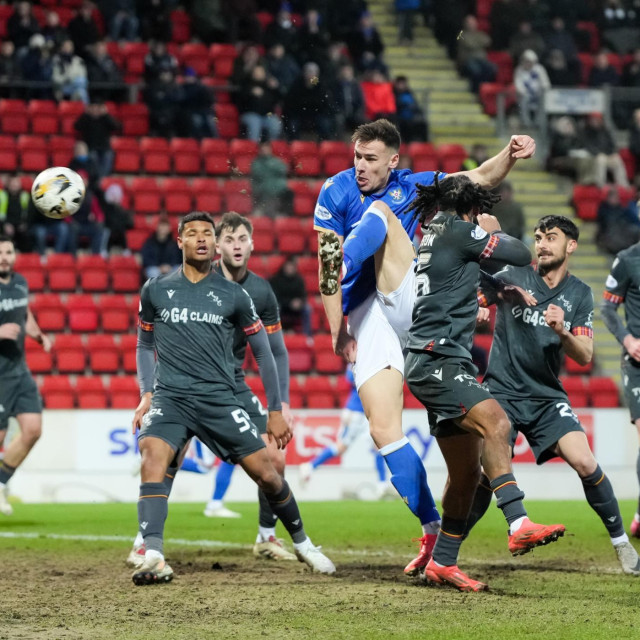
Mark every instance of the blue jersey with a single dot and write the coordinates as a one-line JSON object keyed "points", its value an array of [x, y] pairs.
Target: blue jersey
{"points": [[341, 206], [353, 401]]}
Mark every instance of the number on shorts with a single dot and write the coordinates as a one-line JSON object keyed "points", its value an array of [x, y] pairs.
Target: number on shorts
{"points": [[242, 418], [565, 410], [261, 410]]}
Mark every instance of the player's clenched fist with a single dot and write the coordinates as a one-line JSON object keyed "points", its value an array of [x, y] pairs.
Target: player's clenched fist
{"points": [[554, 317], [278, 430], [522, 147], [488, 222]]}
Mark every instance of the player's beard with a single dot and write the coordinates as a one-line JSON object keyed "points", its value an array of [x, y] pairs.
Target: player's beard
{"points": [[549, 266], [5, 272]]}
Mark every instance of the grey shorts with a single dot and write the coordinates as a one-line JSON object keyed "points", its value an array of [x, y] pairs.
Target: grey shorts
{"points": [[446, 386], [223, 426], [542, 422], [252, 405], [18, 394], [631, 385]]}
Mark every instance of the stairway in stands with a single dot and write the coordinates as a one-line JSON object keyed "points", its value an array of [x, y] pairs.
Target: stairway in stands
{"points": [[456, 116]]}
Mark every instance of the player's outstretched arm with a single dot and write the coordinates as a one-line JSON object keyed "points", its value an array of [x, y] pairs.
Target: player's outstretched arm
{"points": [[494, 170], [34, 331]]}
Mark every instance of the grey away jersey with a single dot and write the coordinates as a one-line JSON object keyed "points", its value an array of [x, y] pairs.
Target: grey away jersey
{"points": [[447, 274], [194, 326], [526, 355], [623, 285], [14, 301], [264, 300]]}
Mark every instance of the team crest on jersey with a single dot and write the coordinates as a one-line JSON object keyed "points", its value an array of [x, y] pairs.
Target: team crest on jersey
{"points": [[611, 283], [215, 298], [328, 183], [396, 194], [565, 303], [478, 233]]}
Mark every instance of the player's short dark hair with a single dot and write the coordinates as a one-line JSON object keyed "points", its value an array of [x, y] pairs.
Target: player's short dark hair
{"points": [[4, 238], [193, 217], [232, 221], [568, 227], [382, 130], [455, 193]]}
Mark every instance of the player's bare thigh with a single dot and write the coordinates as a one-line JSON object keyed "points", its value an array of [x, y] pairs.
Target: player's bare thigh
{"points": [[157, 455], [574, 449], [382, 401], [396, 255], [277, 456]]}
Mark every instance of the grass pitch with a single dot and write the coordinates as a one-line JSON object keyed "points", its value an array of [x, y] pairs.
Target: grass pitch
{"points": [[63, 576]]}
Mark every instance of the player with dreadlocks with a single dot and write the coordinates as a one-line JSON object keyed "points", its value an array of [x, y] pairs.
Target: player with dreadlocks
{"points": [[469, 425]]}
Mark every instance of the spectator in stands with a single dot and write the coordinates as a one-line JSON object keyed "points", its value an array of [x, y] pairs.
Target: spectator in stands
{"points": [[525, 39], [164, 98], [634, 139], [244, 64], [365, 45], [281, 66], [291, 293], [618, 228], [600, 144], [69, 74], [96, 126], [84, 164], [37, 66], [561, 74], [43, 228], [410, 117], [504, 17], [472, 55], [121, 19], [406, 10], [476, 157], [314, 38], [54, 33], [603, 73], [510, 213], [618, 23], [208, 21], [101, 68], [336, 59], [447, 20], [531, 81], [559, 38], [342, 16], [157, 61], [269, 188], [568, 154], [9, 69], [349, 100], [160, 253], [197, 108], [22, 25], [309, 105], [284, 31], [83, 29], [14, 213], [243, 25], [379, 100], [117, 218], [257, 101], [155, 19], [631, 76], [537, 12]]}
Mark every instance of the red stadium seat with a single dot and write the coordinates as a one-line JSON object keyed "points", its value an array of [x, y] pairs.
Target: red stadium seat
{"points": [[504, 63], [305, 158], [603, 392], [93, 273], [114, 314], [228, 120], [155, 155], [186, 156], [222, 57], [61, 269], [320, 393], [57, 392], [8, 155], [326, 361], [91, 393], [423, 156], [134, 55], [136, 238], [586, 200], [13, 117], [489, 96], [272, 264], [335, 156], [207, 195], [263, 234], [180, 26], [304, 199], [629, 162], [451, 157], [69, 112], [69, 353], [300, 353], [576, 390], [83, 313], [292, 235], [49, 311], [33, 153], [196, 56], [238, 196], [146, 195], [125, 274], [60, 150], [104, 353], [135, 119], [280, 149], [242, 153], [35, 276], [38, 360], [124, 392], [44, 116], [177, 196], [127, 155], [128, 352]]}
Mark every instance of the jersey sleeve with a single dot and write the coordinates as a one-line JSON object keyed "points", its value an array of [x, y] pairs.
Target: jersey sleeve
{"points": [[245, 313], [617, 283], [270, 314], [474, 242], [582, 324], [146, 311], [329, 212]]}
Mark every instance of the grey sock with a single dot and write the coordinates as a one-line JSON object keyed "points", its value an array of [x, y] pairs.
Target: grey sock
{"points": [[6, 471], [509, 497], [449, 540], [602, 500], [152, 512], [266, 516], [284, 505]]}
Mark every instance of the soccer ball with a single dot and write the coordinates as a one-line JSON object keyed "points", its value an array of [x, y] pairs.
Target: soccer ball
{"points": [[58, 192]]}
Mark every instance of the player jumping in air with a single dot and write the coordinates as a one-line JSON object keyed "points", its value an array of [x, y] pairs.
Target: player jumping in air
{"points": [[526, 356], [470, 427], [366, 207], [623, 286], [188, 319], [19, 396]]}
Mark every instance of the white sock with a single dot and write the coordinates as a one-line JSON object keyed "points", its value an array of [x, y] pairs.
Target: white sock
{"points": [[139, 541], [215, 504], [431, 528], [151, 554], [264, 533], [301, 545], [516, 524], [619, 540]]}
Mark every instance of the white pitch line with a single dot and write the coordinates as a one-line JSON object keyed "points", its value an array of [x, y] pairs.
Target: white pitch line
{"points": [[217, 544]]}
